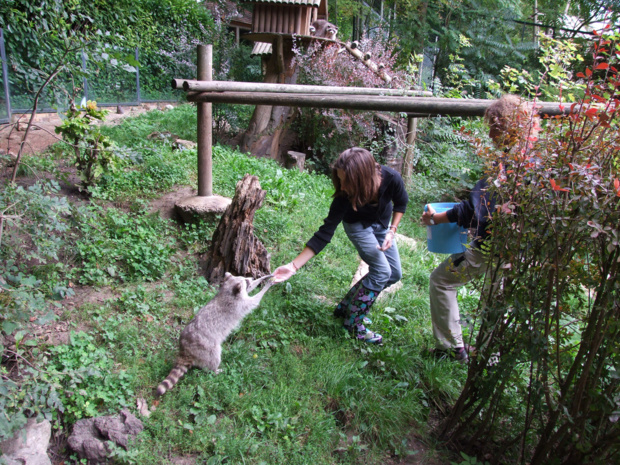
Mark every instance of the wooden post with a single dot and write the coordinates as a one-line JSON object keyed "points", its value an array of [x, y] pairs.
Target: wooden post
{"points": [[205, 125], [412, 128], [298, 21], [268, 26], [279, 52]]}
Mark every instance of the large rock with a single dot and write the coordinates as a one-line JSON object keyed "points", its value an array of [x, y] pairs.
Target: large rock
{"points": [[32, 450], [192, 209], [90, 436]]}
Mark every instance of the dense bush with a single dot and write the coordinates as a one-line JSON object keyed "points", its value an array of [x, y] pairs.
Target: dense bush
{"points": [[545, 386]]}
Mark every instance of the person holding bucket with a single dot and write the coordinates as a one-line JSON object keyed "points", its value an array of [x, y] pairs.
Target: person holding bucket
{"points": [[511, 122], [369, 200]]}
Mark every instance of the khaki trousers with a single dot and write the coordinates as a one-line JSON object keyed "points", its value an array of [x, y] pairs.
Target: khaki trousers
{"points": [[453, 273]]}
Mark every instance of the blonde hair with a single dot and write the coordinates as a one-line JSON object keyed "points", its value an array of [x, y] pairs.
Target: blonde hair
{"points": [[511, 116], [362, 174]]}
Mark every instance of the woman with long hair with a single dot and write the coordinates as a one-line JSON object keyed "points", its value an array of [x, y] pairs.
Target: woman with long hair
{"points": [[369, 201]]}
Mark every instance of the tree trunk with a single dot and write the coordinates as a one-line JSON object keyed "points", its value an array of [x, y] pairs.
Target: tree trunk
{"points": [[268, 134], [234, 247]]}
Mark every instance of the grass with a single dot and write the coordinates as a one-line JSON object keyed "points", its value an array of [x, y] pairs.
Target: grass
{"points": [[294, 388]]}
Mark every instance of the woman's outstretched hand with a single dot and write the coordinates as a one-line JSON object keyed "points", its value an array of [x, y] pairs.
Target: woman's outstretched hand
{"points": [[387, 242], [284, 272]]}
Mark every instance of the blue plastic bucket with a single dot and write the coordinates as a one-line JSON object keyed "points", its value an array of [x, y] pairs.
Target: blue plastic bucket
{"points": [[445, 237]]}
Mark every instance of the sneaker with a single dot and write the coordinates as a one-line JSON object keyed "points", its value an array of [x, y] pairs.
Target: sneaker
{"points": [[368, 336], [458, 354]]}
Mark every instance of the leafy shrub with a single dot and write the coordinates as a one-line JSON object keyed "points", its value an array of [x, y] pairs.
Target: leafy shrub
{"points": [[548, 336], [30, 397], [118, 246], [93, 154], [555, 82]]}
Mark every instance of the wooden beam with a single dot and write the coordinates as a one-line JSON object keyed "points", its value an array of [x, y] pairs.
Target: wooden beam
{"points": [[233, 86], [423, 106]]}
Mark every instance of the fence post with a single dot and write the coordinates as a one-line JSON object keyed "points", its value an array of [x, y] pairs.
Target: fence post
{"points": [[5, 76], [138, 76], [85, 78]]}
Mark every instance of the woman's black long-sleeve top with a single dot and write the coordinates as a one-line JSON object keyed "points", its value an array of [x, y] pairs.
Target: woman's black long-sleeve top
{"points": [[392, 197]]}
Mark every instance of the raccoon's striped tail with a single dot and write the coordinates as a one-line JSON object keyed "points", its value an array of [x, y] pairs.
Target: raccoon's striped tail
{"points": [[173, 378]]}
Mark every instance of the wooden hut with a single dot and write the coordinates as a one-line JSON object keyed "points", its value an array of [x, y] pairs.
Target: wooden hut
{"points": [[286, 16], [272, 18], [275, 25]]}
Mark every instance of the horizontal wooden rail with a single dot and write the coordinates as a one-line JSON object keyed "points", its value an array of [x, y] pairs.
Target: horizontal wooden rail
{"points": [[233, 86], [421, 106]]}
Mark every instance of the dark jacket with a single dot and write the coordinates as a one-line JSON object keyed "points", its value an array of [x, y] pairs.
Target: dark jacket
{"points": [[392, 197], [475, 213]]}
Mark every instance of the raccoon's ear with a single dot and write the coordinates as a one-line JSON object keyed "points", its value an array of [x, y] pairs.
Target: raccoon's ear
{"points": [[227, 275], [236, 289]]}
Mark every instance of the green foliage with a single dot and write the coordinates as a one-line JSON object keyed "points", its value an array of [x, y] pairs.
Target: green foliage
{"points": [[116, 246], [93, 153], [554, 82], [42, 39], [444, 165], [33, 231], [467, 460], [90, 383], [32, 396], [36, 212], [38, 54]]}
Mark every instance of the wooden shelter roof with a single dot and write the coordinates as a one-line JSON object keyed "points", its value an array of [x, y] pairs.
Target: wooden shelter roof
{"points": [[314, 3], [261, 48]]}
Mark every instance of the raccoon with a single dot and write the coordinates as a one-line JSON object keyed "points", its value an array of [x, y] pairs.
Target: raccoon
{"points": [[324, 29], [200, 343]]}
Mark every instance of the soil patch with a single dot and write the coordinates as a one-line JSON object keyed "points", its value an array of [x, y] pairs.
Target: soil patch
{"points": [[42, 134]]}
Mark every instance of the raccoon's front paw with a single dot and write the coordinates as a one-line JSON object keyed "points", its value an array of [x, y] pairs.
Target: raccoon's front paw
{"points": [[218, 371]]}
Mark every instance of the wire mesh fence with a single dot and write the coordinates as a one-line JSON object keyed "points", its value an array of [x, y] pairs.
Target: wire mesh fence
{"points": [[141, 77]]}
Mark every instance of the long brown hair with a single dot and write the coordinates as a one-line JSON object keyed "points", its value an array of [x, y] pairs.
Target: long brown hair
{"points": [[362, 175]]}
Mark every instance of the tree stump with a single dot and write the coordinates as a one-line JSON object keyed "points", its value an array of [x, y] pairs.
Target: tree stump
{"points": [[234, 247]]}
